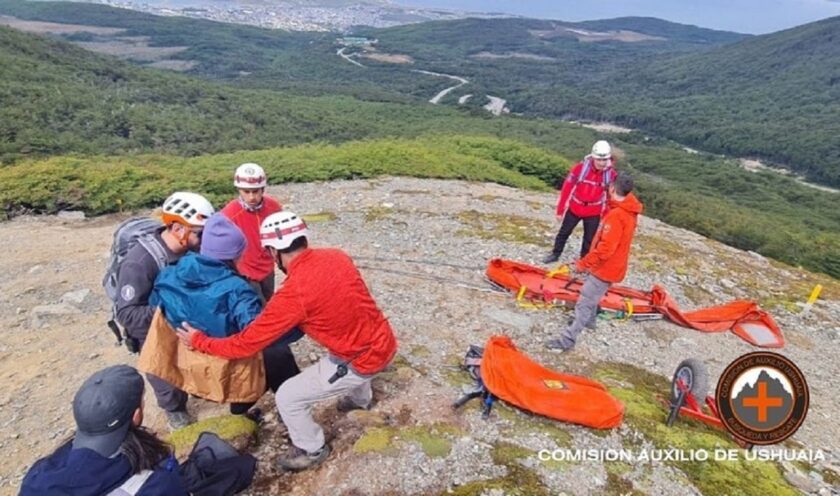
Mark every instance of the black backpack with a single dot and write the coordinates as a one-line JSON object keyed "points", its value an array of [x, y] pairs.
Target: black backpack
{"points": [[215, 468], [137, 230]]}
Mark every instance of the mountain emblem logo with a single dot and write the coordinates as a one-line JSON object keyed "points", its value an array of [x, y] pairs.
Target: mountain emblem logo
{"points": [[762, 398]]}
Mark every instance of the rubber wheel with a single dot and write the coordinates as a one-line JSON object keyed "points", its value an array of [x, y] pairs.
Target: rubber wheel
{"points": [[695, 376]]}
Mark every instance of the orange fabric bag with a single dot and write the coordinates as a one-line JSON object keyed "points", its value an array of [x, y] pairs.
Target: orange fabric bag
{"points": [[515, 378], [210, 377]]}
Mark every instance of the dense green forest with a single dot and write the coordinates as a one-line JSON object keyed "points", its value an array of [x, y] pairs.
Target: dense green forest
{"points": [[100, 119], [774, 97]]}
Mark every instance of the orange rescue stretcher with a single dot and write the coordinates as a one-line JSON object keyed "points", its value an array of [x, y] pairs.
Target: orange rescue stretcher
{"points": [[547, 288]]}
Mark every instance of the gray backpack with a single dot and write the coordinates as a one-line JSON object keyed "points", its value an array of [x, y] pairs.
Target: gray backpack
{"points": [[137, 230]]}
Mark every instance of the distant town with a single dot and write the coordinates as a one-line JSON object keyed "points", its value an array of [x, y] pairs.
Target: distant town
{"points": [[298, 16]]}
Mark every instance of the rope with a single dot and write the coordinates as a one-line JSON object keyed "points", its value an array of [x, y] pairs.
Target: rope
{"points": [[422, 262], [454, 282]]}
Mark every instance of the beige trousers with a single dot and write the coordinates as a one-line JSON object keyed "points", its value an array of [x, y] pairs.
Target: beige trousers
{"points": [[297, 395]]}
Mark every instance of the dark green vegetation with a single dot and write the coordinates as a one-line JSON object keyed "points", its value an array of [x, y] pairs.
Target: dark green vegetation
{"points": [[304, 63], [59, 100], [775, 97]]}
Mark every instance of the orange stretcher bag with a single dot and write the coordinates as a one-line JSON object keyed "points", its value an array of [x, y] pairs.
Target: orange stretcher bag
{"points": [[510, 375]]}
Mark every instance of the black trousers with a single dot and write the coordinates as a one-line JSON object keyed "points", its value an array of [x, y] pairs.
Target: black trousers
{"points": [[280, 365], [168, 397], [570, 221]]}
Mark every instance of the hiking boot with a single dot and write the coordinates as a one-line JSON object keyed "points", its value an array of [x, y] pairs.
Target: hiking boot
{"points": [[296, 459], [557, 345], [256, 415], [551, 258], [345, 404], [178, 420]]}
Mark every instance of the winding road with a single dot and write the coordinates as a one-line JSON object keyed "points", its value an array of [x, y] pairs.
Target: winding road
{"points": [[436, 99]]}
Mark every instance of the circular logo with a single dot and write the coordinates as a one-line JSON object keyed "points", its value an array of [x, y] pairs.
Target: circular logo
{"points": [[127, 292], [762, 398]]}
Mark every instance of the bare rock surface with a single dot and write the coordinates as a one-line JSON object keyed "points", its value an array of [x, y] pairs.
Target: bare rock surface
{"points": [[422, 246]]}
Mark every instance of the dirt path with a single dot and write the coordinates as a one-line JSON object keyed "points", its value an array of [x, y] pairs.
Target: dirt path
{"points": [[346, 57]]}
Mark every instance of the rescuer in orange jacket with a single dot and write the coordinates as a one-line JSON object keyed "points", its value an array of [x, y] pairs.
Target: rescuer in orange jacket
{"points": [[606, 262]]}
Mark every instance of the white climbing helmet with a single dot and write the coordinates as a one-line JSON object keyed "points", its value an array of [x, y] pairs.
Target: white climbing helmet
{"points": [[186, 208], [279, 230], [601, 149], [249, 176]]}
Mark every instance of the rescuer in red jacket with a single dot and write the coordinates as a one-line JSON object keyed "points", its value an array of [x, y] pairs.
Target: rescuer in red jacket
{"points": [[606, 263], [583, 197], [324, 295], [248, 211]]}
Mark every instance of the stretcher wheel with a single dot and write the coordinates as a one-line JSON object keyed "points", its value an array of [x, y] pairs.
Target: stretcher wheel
{"points": [[694, 376]]}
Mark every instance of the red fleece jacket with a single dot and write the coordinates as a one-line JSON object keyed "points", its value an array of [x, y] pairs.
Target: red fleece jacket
{"points": [[325, 296], [255, 263]]}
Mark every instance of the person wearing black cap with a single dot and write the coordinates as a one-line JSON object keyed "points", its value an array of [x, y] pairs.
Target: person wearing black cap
{"points": [[110, 453]]}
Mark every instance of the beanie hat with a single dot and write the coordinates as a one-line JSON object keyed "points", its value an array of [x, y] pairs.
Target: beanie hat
{"points": [[221, 239]]}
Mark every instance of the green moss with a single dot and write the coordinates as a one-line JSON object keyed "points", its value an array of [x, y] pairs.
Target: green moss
{"points": [[320, 217], [519, 481], [227, 427], [377, 213], [660, 254], [504, 227], [375, 439], [640, 391], [488, 198], [420, 351], [772, 303], [432, 439], [618, 468]]}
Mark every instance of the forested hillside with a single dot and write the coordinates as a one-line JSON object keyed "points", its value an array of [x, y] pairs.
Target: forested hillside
{"points": [[57, 100], [775, 97]]}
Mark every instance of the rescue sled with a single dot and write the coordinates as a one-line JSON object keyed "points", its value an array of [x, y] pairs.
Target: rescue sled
{"points": [[502, 371], [688, 388], [744, 318]]}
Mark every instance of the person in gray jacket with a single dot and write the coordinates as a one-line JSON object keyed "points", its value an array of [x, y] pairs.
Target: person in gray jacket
{"points": [[184, 215]]}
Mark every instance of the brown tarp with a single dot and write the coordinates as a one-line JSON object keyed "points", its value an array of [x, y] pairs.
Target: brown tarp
{"points": [[206, 376]]}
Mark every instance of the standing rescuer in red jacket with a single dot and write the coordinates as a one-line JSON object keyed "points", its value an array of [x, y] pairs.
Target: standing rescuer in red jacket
{"points": [[325, 296], [606, 263], [583, 197], [248, 212]]}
